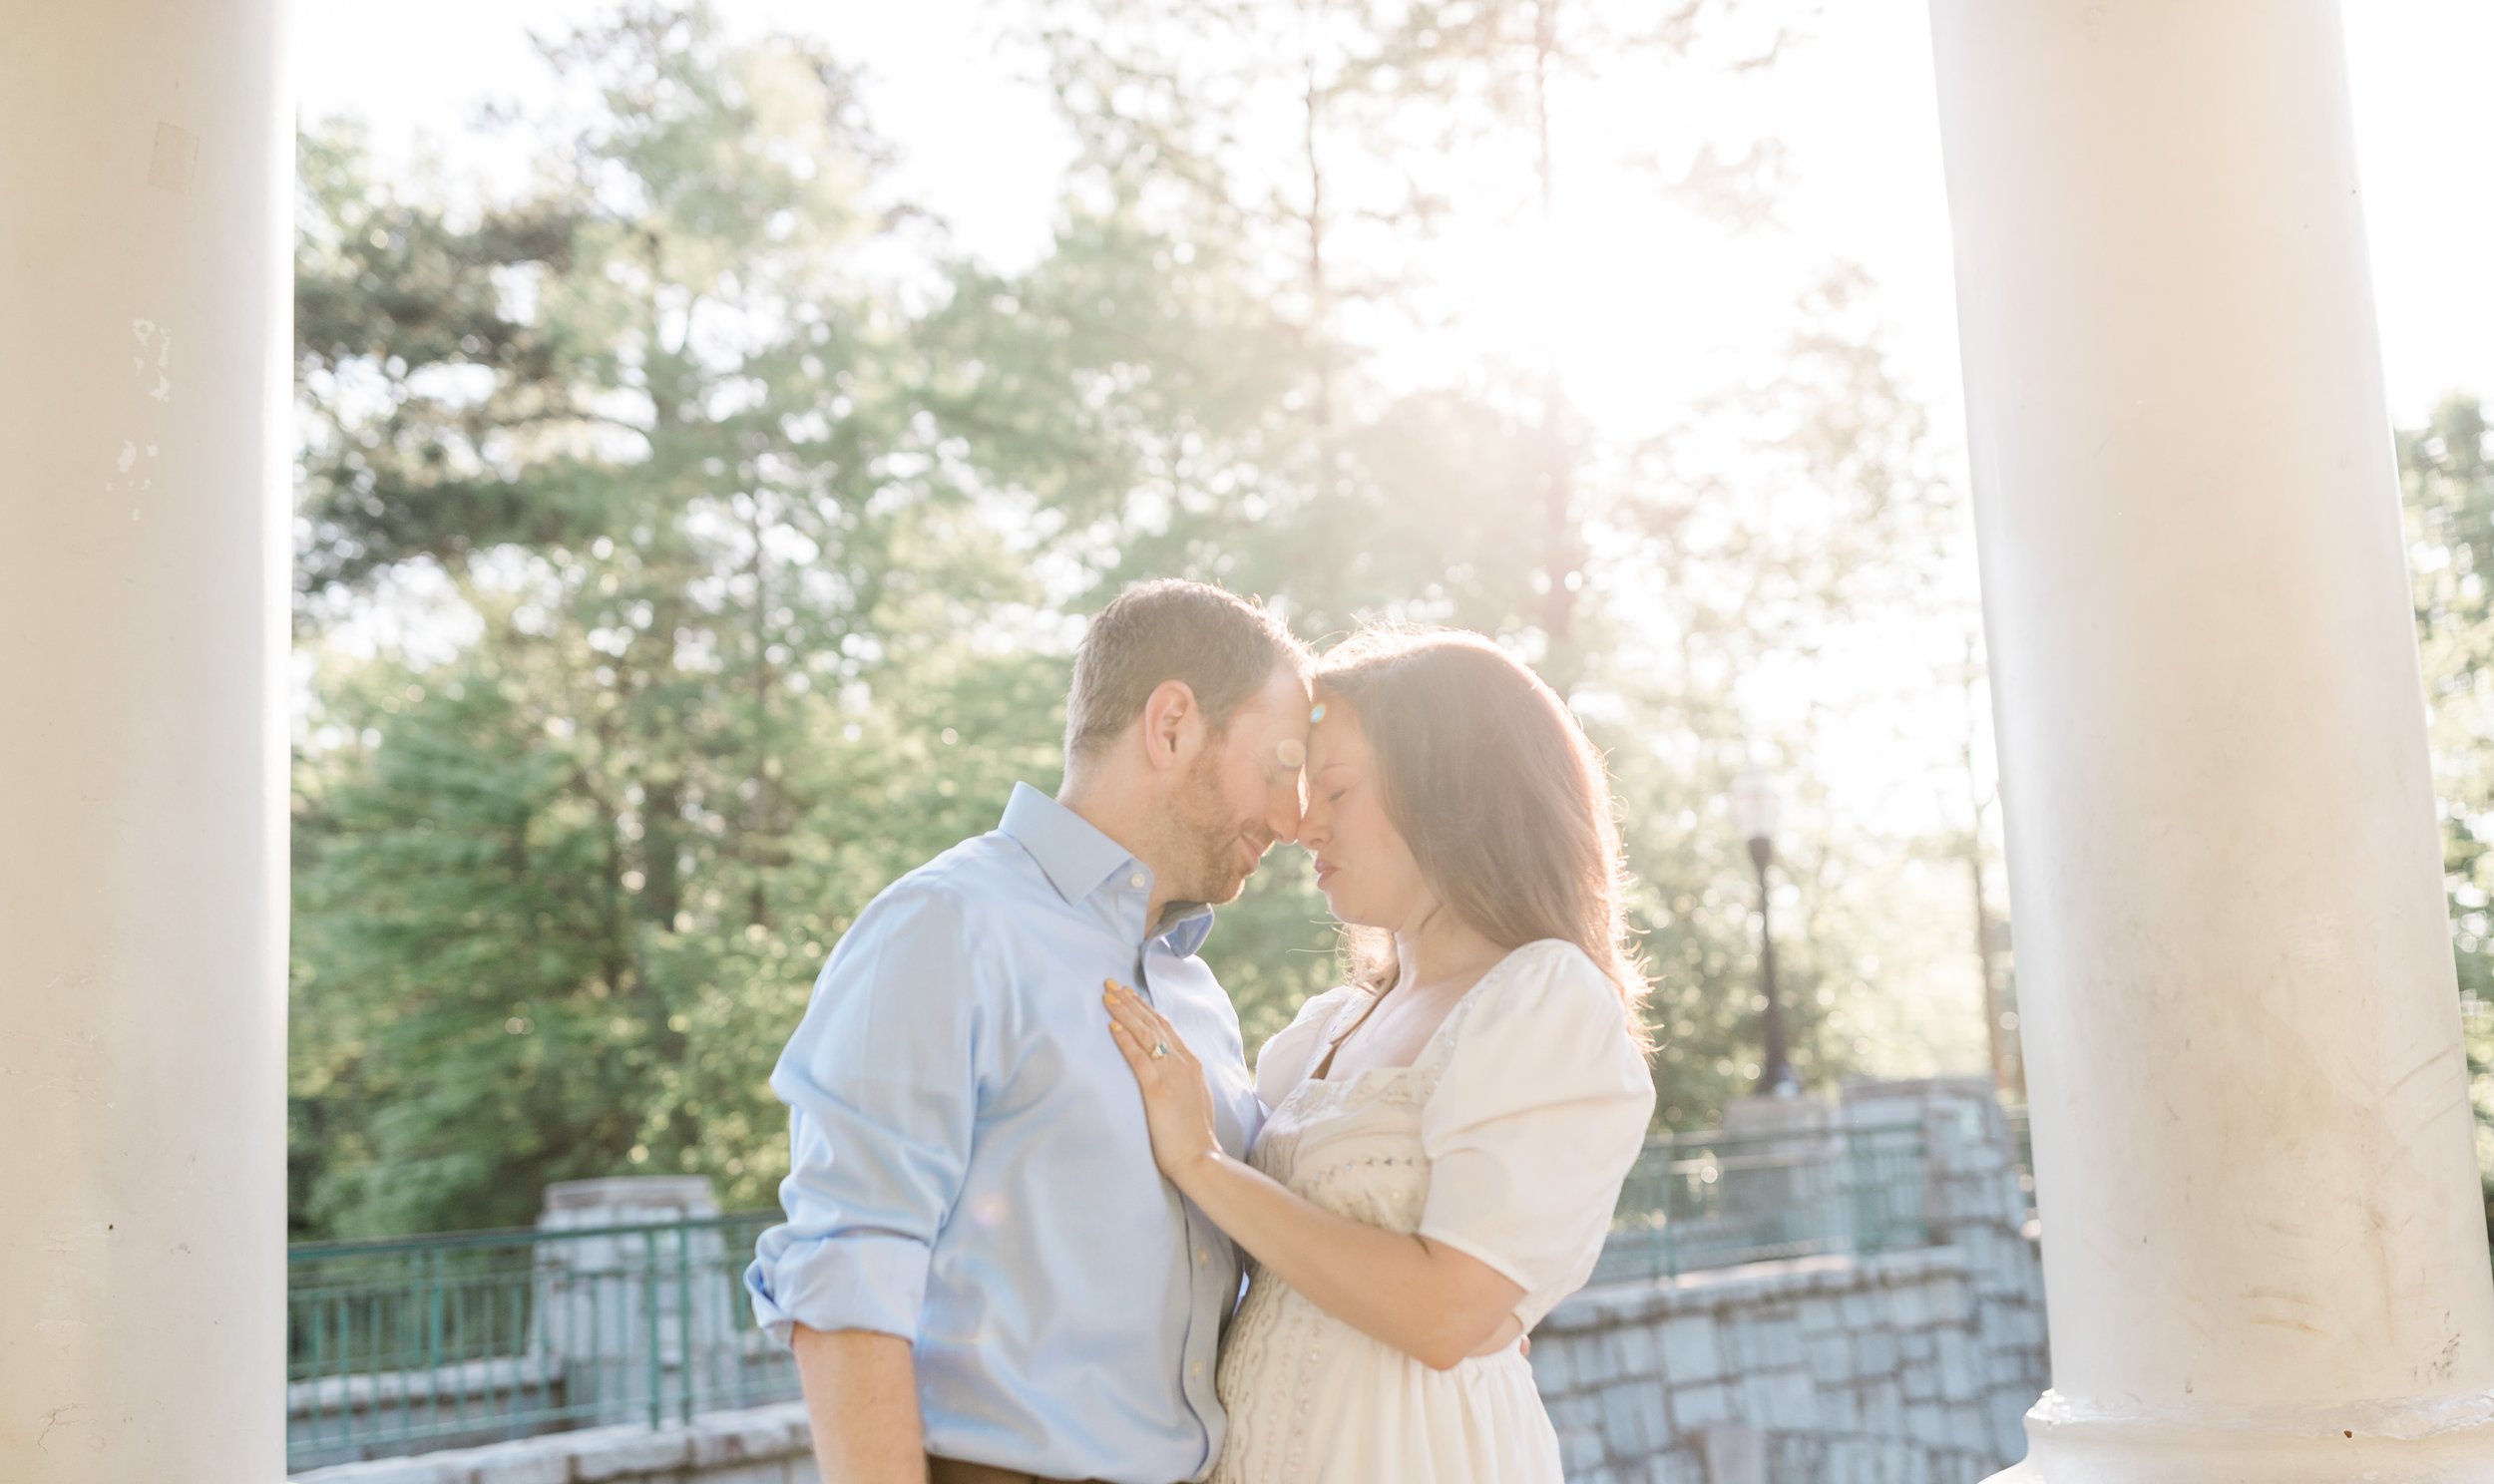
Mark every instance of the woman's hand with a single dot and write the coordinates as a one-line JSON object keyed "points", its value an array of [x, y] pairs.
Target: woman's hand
{"points": [[1426, 1299], [1176, 1104]]}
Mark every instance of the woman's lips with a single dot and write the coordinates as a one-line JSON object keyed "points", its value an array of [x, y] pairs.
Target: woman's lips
{"points": [[1325, 868]]}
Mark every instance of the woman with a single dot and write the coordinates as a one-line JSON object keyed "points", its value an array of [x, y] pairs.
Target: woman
{"points": [[1447, 1133]]}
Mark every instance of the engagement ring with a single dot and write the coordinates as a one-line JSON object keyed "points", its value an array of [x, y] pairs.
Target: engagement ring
{"points": [[1160, 1049]]}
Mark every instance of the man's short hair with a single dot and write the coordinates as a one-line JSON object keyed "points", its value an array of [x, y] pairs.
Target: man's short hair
{"points": [[1225, 647]]}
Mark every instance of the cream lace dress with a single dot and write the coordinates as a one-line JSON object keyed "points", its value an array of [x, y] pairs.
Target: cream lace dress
{"points": [[1507, 1138]]}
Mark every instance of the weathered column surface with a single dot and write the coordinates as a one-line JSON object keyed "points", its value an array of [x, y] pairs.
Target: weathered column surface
{"points": [[2263, 1245], [145, 151]]}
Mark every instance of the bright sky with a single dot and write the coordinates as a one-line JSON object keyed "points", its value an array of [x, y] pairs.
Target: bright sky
{"points": [[1653, 306], [1857, 105]]}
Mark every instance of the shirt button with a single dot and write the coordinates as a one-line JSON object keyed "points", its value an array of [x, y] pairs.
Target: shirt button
{"points": [[1202, 1255], [1136, 881], [1196, 1370]]}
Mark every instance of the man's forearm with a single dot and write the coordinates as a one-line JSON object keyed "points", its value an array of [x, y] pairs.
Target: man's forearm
{"points": [[861, 1394]]}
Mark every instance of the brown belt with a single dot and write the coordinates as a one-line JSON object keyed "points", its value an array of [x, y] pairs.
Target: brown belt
{"points": [[953, 1471]]}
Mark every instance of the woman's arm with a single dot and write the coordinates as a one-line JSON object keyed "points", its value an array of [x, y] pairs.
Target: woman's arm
{"points": [[1426, 1299]]}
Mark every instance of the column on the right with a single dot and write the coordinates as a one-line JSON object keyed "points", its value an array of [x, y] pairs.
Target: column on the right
{"points": [[2263, 1250]]}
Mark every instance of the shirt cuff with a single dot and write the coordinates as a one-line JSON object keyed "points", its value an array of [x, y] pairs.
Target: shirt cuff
{"points": [[871, 1283]]}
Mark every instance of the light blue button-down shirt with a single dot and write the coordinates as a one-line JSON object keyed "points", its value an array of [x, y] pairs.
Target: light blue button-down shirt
{"points": [[970, 1168]]}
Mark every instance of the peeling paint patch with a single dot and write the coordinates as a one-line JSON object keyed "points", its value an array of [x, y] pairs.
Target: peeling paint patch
{"points": [[155, 357], [131, 471]]}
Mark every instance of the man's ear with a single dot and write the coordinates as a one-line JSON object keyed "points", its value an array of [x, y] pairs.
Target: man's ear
{"points": [[1170, 719]]}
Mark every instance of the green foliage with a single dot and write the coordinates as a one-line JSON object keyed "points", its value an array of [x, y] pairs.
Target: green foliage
{"points": [[689, 546], [659, 443], [2446, 471]]}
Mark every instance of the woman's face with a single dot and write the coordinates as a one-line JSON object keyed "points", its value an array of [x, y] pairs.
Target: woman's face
{"points": [[1363, 866]]}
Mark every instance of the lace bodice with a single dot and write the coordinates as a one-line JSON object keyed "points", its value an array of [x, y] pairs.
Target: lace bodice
{"points": [[1507, 1139], [1352, 1145]]}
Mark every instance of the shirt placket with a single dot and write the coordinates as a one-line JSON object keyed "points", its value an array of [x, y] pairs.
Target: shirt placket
{"points": [[1206, 1303]]}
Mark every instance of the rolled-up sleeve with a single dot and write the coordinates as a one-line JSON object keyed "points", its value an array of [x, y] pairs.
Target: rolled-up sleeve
{"points": [[880, 1080]]}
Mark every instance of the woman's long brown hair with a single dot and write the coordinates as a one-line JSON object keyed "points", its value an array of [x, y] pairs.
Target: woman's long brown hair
{"points": [[1500, 795]]}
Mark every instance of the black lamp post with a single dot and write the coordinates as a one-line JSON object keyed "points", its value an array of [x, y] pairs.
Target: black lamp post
{"points": [[1754, 807]]}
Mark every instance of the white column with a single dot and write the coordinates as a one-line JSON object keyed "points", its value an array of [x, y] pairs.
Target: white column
{"points": [[2263, 1245], [146, 162]]}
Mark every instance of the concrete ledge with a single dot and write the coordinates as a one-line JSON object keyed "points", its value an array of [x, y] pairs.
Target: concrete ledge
{"points": [[759, 1445], [365, 1391], [1644, 1299]]}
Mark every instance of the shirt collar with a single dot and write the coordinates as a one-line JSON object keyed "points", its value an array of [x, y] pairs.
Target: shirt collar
{"points": [[1079, 859], [1076, 858], [1186, 936]]}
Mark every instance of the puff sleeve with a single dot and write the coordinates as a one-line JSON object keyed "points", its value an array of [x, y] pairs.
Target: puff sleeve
{"points": [[1534, 1123]]}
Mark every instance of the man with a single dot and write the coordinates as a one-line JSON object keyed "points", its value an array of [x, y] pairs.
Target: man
{"points": [[983, 1276]]}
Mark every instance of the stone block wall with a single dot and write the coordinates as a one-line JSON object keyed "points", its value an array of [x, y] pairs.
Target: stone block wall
{"points": [[1818, 1371], [1903, 1367]]}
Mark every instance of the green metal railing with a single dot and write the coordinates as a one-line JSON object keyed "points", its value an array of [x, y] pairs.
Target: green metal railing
{"points": [[401, 1346], [1697, 1201]]}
